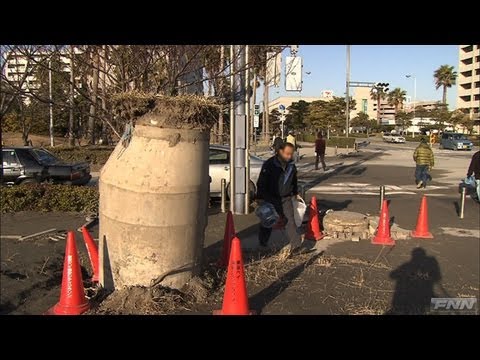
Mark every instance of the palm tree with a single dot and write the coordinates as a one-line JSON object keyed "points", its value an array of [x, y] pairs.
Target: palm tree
{"points": [[445, 76], [378, 94], [396, 97]]}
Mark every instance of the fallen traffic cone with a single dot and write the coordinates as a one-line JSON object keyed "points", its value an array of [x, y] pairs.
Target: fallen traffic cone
{"points": [[313, 227], [383, 231], [421, 231], [235, 299], [72, 296], [92, 251], [228, 235]]}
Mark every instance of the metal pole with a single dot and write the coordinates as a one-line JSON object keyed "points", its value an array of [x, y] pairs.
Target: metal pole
{"points": [[382, 195], [240, 133], [414, 100], [347, 100], [223, 188], [247, 132], [232, 131], [266, 128], [50, 104], [462, 203], [254, 101]]}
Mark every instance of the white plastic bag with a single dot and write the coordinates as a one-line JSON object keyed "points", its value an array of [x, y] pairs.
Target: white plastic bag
{"points": [[299, 209]]}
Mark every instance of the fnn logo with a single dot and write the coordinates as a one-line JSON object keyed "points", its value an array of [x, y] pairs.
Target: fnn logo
{"points": [[465, 304]]}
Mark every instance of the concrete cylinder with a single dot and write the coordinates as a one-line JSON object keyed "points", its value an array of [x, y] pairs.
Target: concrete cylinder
{"points": [[153, 207]]}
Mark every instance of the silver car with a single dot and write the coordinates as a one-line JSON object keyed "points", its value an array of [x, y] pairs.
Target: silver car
{"points": [[219, 160]]}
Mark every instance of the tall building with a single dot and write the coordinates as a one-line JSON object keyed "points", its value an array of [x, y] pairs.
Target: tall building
{"points": [[364, 103], [468, 82], [387, 113]]}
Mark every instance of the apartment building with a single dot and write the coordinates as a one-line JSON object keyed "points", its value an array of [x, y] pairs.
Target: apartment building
{"points": [[468, 81]]}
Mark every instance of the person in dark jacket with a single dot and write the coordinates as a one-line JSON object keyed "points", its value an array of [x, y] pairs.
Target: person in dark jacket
{"points": [[277, 184], [320, 146], [423, 157], [474, 169], [277, 142]]}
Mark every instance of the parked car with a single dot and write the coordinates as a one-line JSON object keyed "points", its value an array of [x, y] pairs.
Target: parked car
{"points": [[28, 165], [219, 162], [455, 141], [393, 138]]}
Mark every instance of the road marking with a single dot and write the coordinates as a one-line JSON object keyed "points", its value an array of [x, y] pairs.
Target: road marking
{"points": [[359, 189]]}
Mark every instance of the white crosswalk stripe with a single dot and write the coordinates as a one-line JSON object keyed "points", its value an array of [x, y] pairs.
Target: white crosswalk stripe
{"points": [[369, 189]]}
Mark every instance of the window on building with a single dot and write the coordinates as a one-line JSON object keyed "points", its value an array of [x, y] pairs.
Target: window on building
{"points": [[467, 48], [477, 84], [364, 105], [477, 58], [468, 61]]}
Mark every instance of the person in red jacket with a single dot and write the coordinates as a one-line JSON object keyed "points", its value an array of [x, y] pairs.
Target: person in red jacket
{"points": [[320, 146]]}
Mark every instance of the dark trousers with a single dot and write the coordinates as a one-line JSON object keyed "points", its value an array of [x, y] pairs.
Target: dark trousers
{"points": [[290, 226], [421, 174], [320, 158]]}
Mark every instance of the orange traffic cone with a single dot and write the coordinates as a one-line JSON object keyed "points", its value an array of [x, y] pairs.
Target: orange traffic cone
{"points": [[229, 234], [383, 231], [313, 228], [92, 253], [235, 298], [421, 231], [72, 296]]}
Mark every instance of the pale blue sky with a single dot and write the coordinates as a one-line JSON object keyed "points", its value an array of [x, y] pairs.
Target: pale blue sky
{"points": [[376, 63]]}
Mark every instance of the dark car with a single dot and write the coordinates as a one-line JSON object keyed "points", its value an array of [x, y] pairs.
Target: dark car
{"points": [[27, 165]]}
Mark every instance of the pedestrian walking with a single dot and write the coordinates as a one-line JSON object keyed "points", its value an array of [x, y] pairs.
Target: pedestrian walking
{"points": [[293, 140], [474, 171], [277, 142], [277, 185], [423, 157], [320, 146]]}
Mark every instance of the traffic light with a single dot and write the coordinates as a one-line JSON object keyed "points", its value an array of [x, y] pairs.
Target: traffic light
{"points": [[256, 110]]}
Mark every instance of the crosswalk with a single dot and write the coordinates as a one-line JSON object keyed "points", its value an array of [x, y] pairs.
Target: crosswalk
{"points": [[346, 188]]}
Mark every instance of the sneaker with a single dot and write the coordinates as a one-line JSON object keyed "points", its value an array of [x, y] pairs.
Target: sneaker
{"points": [[420, 184]]}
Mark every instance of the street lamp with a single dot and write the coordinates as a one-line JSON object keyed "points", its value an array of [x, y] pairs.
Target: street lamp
{"points": [[414, 90], [408, 76]]}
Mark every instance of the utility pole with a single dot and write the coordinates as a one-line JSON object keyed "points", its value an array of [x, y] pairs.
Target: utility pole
{"points": [[50, 104], [266, 125], [254, 101], [71, 123], [347, 99], [248, 119], [220, 85], [232, 130], [239, 141]]}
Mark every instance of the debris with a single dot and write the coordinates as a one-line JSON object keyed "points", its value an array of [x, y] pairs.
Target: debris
{"points": [[36, 234], [10, 237]]}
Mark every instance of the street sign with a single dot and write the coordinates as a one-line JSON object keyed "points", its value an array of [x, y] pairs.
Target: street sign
{"points": [[293, 73], [256, 121]]}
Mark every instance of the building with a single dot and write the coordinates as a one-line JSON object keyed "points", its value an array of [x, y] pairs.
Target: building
{"points": [[468, 81], [289, 100], [21, 69], [425, 104], [387, 113], [364, 103]]}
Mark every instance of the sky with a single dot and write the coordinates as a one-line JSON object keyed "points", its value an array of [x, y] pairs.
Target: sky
{"points": [[374, 63]]}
